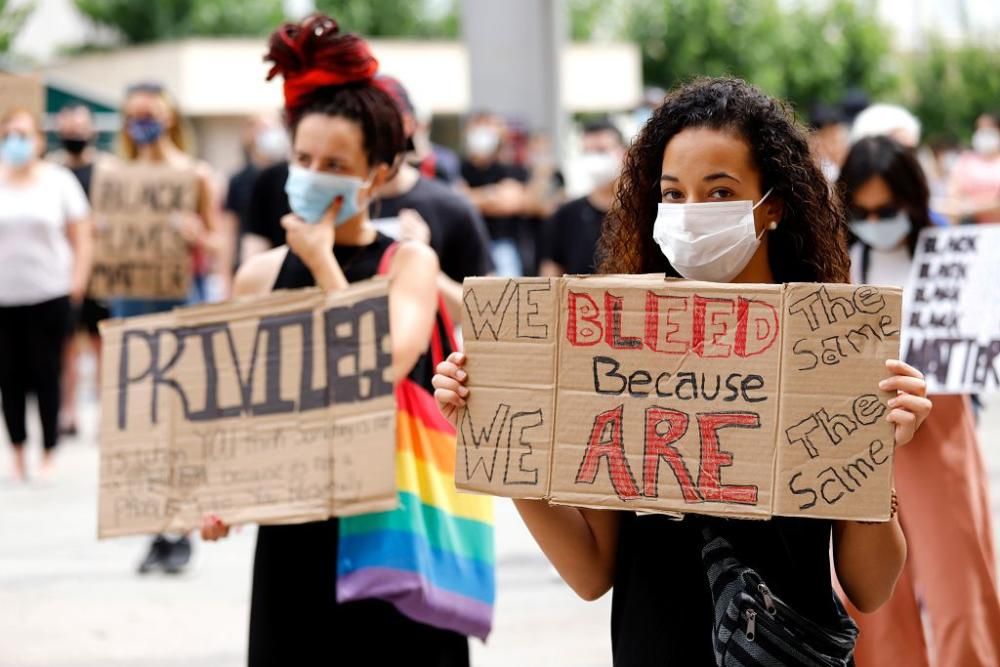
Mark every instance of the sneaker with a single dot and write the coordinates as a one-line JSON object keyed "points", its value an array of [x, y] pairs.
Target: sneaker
{"points": [[178, 556], [157, 555]]}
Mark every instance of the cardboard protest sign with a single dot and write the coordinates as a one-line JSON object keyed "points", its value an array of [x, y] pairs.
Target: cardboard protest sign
{"points": [[278, 409], [951, 312], [139, 251], [509, 335], [835, 448], [679, 396], [21, 92]]}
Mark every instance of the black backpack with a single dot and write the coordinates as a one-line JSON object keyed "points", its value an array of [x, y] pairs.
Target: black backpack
{"points": [[755, 628]]}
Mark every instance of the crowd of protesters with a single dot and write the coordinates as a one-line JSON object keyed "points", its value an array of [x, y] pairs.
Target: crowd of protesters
{"points": [[349, 184]]}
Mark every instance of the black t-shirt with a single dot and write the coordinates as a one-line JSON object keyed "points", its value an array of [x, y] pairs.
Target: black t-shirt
{"points": [[268, 204], [477, 177], [661, 612], [239, 194], [84, 174], [458, 234], [571, 236]]}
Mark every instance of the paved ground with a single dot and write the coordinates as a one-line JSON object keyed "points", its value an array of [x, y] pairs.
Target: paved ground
{"points": [[67, 599]]}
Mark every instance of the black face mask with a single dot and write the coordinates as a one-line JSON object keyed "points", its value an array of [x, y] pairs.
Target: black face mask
{"points": [[72, 145]]}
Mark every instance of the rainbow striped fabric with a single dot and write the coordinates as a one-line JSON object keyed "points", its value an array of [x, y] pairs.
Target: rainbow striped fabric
{"points": [[433, 556]]}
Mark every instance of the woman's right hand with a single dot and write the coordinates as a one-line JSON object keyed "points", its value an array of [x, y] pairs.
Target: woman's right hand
{"points": [[449, 386], [312, 242], [213, 528]]}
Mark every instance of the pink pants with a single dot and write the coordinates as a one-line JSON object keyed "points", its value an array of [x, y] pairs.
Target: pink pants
{"points": [[950, 569]]}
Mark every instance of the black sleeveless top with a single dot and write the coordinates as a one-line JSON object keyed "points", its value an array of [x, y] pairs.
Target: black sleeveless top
{"points": [[294, 615], [661, 612]]}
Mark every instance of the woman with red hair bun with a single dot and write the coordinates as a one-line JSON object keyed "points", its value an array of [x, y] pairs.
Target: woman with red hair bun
{"points": [[347, 137]]}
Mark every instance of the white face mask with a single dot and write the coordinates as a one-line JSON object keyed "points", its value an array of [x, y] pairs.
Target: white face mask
{"points": [[986, 141], [710, 241], [600, 168], [272, 144], [482, 141], [882, 234]]}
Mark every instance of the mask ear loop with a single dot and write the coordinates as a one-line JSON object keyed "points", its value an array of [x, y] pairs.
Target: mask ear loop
{"points": [[770, 227]]}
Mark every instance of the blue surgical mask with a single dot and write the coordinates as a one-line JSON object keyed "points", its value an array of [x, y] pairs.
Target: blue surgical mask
{"points": [[310, 194], [882, 234], [144, 131], [17, 150]]}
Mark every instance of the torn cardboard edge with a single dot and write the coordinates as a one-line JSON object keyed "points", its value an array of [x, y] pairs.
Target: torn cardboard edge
{"points": [[838, 334]]}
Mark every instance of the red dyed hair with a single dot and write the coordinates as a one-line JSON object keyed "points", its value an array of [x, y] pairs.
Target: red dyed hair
{"points": [[314, 54], [333, 73]]}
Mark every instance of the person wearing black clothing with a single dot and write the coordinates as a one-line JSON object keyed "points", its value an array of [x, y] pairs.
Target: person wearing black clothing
{"points": [[265, 143], [496, 189], [571, 234], [433, 213], [347, 135], [75, 128], [716, 140], [268, 205]]}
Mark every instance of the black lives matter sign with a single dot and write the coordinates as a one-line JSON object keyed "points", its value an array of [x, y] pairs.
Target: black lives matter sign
{"points": [[139, 251], [951, 309]]}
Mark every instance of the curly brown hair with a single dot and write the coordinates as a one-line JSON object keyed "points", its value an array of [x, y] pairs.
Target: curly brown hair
{"points": [[809, 245]]}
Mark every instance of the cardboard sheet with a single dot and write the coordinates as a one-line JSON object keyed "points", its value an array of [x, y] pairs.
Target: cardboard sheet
{"points": [[276, 409], [679, 396], [139, 251]]}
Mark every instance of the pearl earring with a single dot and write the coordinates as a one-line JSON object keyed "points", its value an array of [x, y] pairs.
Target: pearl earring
{"points": [[773, 225]]}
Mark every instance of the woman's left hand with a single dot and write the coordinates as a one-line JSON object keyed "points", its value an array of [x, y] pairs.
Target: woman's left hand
{"points": [[910, 407]]}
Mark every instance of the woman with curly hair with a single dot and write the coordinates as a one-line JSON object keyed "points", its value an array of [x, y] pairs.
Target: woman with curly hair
{"points": [[713, 147]]}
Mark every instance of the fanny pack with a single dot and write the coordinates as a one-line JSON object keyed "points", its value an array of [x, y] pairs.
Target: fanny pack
{"points": [[753, 627]]}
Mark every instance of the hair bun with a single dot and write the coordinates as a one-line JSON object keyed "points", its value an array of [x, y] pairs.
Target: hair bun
{"points": [[314, 54]]}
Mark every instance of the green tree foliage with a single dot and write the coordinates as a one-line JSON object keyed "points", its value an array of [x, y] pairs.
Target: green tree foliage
{"points": [[394, 18], [11, 20], [806, 54], [951, 86], [140, 22]]}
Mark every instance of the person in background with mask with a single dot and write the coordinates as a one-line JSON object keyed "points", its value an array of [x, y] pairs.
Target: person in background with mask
{"points": [[974, 189], [896, 122], [828, 139], [722, 160], [265, 143], [75, 128], [45, 257], [430, 212], [940, 478], [152, 134], [544, 192], [496, 189], [432, 159], [572, 233]]}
